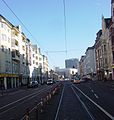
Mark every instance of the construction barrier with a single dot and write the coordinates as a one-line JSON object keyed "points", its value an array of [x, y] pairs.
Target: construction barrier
{"points": [[39, 107]]}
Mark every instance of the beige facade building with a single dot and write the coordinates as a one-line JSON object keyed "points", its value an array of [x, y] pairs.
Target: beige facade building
{"points": [[112, 39], [81, 66], [8, 78], [20, 61], [103, 51]]}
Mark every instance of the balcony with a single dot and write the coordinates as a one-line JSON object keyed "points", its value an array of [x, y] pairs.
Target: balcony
{"points": [[112, 65], [15, 37], [16, 55]]}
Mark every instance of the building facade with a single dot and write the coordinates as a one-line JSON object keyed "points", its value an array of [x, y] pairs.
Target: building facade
{"points": [[20, 61], [8, 77], [81, 65], [90, 62], [69, 73], [111, 38], [72, 63], [103, 51]]}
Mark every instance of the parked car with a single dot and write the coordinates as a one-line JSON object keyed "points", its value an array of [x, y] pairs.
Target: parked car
{"points": [[49, 82], [33, 84]]}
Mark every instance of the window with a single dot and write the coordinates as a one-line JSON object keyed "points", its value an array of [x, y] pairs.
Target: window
{"points": [[105, 61], [40, 59], [23, 47], [105, 48], [9, 50], [102, 49], [15, 33], [8, 30], [36, 63], [2, 25], [17, 53], [23, 56], [8, 39], [16, 42], [36, 58], [33, 62], [4, 37]]}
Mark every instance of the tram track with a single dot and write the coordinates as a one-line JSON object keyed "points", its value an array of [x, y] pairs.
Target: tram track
{"points": [[6, 111], [82, 106], [94, 108], [78, 108]]}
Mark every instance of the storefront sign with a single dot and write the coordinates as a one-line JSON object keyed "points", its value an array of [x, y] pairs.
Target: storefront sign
{"points": [[9, 75]]}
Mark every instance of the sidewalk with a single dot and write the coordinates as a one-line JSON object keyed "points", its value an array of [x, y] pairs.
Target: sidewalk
{"points": [[7, 91]]}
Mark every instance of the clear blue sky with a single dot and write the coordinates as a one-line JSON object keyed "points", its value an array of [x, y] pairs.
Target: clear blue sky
{"points": [[45, 20]]}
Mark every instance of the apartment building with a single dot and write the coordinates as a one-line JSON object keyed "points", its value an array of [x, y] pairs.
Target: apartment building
{"points": [[87, 63], [103, 51], [34, 71], [39, 65], [20, 61], [111, 38], [8, 79], [90, 62], [45, 67], [81, 66]]}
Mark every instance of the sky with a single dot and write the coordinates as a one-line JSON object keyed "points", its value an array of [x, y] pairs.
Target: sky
{"points": [[45, 21]]}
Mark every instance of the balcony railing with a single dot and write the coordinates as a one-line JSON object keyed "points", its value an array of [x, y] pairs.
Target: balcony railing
{"points": [[16, 55]]}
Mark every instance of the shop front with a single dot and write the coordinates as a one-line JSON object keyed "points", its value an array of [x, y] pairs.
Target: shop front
{"points": [[100, 74], [8, 81]]}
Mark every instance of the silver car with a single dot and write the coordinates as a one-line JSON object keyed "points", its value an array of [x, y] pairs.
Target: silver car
{"points": [[33, 84]]}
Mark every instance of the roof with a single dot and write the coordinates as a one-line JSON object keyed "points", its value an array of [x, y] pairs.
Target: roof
{"points": [[90, 48], [7, 20], [99, 33], [107, 21]]}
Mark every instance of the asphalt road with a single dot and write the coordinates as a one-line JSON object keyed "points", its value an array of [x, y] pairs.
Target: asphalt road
{"points": [[85, 101], [13, 105]]}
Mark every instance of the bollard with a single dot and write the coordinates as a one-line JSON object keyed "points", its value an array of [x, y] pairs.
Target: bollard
{"points": [[47, 98], [41, 104], [27, 114], [36, 110], [54, 91], [49, 95]]}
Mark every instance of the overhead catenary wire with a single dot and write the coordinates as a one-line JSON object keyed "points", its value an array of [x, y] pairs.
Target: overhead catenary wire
{"points": [[24, 26], [64, 6], [20, 21]]}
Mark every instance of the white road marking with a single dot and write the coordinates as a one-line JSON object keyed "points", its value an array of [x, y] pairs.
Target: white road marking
{"points": [[92, 91], [19, 100], [19, 104], [56, 116], [103, 110], [96, 95], [83, 104]]}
